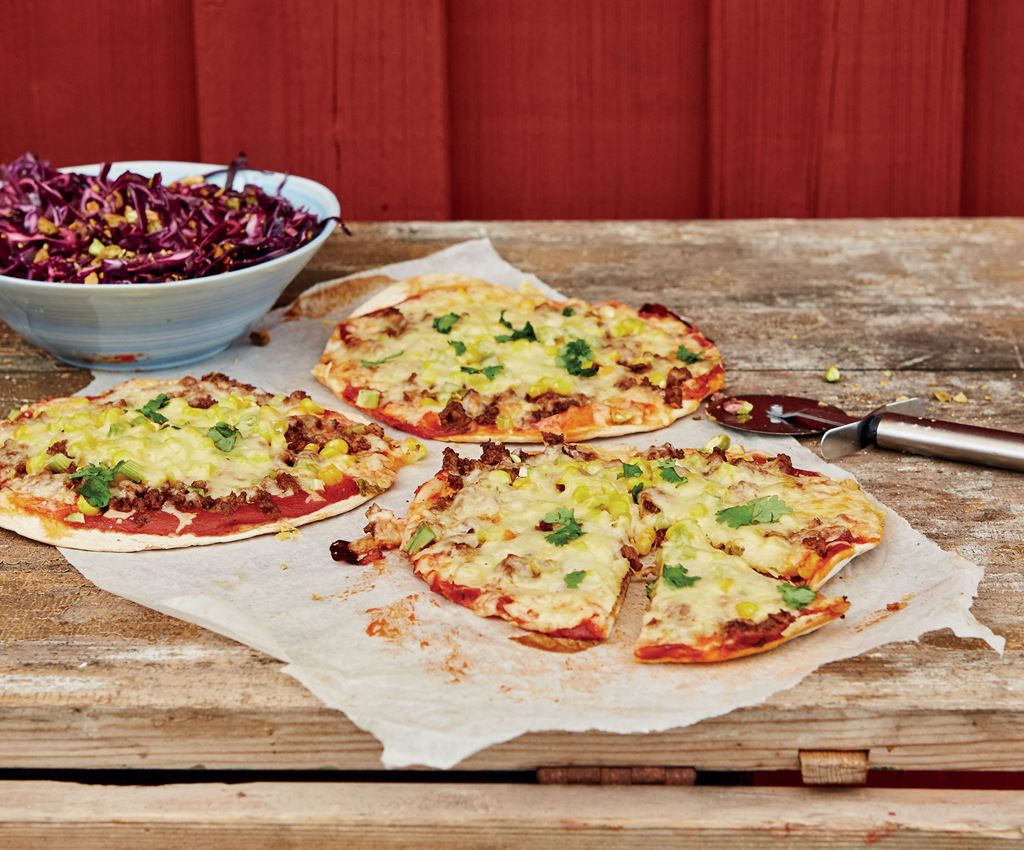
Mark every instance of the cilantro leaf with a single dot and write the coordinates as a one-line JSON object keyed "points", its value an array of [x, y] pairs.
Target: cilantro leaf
{"points": [[765, 509], [525, 332], [677, 576], [150, 408], [636, 491], [566, 526], [573, 579], [568, 311], [573, 355], [96, 480], [687, 356], [443, 324], [488, 371], [223, 436], [629, 470], [670, 474], [794, 596], [459, 346], [383, 360]]}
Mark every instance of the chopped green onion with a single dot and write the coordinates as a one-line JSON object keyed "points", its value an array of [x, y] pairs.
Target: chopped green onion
{"points": [[59, 463], [368, 398], [420, 538], [131, 470]]}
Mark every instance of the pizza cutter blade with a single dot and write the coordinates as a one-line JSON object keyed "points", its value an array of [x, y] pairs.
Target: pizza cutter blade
{"points": [[900, 426]]}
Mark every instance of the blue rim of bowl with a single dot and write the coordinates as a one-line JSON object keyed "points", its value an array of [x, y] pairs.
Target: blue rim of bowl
{"points": [[331, 200]]}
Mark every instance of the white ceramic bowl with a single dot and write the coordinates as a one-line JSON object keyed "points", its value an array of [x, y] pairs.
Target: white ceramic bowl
{"points": [[160, 325]]}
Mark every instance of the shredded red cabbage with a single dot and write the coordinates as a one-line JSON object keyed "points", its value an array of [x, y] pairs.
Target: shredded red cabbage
{"points": [[77, 228]]}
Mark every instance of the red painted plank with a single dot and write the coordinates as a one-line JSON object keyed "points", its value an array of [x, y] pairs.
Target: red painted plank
{"points": [[349, 93], [92, 80], [993, 171], [836, 108], [578, 109]]}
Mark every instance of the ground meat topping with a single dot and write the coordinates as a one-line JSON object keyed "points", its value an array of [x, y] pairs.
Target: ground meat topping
{"points": [[743, 633], [489, 415], [454, 464], [822, 540], [58, 448], [495, 454], [631, 555], [319, 430], [454, 416], [551, 403], [394, 321]]}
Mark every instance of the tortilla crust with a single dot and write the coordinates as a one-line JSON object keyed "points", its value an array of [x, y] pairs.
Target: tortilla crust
{"points": [[392, 296], [48, 530], [678, 653]]}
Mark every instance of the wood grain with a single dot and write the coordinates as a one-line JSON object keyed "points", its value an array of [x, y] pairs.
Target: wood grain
{"points": [[251, 816], [578, 109], [531, 109], [96, 80], [834, 767], [351, 94], [836, 108], [993, 172], [91, 680]]}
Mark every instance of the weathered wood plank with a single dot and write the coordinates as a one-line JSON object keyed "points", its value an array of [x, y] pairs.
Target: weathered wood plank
{"points": [[91, 680], [40, 815]]}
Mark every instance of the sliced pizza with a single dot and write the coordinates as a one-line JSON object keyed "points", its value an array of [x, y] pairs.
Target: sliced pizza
{"points": [[156, 464], [549, 540], [783, 521], [707, 605], [495, 535], [454, 358]]}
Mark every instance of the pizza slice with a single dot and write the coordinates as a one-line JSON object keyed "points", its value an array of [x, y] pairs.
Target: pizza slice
{"points": [[454, 358], [541, 540], [785, 522], [154, 464], [707, 605]]}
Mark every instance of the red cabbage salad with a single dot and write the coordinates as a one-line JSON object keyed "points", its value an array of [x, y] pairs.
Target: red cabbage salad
{"points": [[78, 228]]}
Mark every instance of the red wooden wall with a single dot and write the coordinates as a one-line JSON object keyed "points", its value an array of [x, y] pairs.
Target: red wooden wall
{"points": [[421, 109]]}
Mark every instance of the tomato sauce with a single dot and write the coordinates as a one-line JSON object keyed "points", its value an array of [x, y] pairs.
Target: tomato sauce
{"points": [[213, 523]]}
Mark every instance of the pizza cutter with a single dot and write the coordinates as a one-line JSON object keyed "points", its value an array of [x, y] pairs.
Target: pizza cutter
{"points": [[900, 426]]}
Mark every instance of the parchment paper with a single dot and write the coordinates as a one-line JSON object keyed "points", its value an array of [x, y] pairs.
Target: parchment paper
{"points": [[434, 682]]}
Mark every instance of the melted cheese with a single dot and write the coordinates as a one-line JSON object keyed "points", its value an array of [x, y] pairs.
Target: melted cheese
{"points": [[726, 589], [111, 429], [433, 362], [488, 538], [501, 550]]}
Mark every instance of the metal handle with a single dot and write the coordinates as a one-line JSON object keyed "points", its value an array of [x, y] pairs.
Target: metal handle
{"points": [[986, 446]]}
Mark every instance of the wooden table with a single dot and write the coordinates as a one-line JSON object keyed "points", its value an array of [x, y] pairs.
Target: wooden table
{"points": [[91, 682]]}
